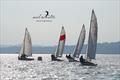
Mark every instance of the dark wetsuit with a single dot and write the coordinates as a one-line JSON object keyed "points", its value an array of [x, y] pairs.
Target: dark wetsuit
{"points": [[53, 57], [82, 60]]}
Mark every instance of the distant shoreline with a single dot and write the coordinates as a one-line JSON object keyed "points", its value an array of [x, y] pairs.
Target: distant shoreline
{"points": [[102, 48]]}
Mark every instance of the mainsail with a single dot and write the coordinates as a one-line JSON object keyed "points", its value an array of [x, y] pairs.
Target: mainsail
{"points": [[61, 43], [80, 43], [92, 40], [26, 48]]}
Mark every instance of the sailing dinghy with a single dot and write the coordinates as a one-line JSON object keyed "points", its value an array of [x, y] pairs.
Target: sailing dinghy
{"points": [[92, 41], [26, 48], [60, 47], [78, 48]]}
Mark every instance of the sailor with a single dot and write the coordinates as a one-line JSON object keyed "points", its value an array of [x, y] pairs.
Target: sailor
{"points": [[82, 60], [69, 56], [53, 57], [23, 56]]}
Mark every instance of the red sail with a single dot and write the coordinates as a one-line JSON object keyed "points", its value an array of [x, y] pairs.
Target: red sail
{"points": [[62, 37]]}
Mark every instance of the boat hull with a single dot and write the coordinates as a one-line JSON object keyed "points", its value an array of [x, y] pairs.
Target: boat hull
{"points": [[53, 58], [88, 64], [25, 58], [70, 59]]}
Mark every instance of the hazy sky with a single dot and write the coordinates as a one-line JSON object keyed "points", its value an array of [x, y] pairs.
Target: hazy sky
{"points": [[72, 14]]}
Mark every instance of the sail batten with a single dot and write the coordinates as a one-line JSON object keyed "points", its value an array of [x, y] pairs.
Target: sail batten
{"points": [[92, 40], [80, 43]]}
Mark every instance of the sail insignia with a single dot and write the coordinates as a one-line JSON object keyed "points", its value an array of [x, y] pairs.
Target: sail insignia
{"points": [[61, 43]]}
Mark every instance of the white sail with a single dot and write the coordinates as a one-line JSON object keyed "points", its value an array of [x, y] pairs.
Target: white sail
{"points": [[61, 43], [27, 45], [21, 50], [92, 40], [80, 43]]}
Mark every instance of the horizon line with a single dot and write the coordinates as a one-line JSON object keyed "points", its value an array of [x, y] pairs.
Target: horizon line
{"points": [[55, 45]]}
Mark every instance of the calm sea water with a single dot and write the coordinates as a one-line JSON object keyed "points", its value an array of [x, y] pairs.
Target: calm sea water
{"points": [[108, 68]]}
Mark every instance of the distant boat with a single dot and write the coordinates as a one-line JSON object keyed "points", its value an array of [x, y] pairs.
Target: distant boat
{"points": [[60, 47], [79, 46], [92, 40], [26, 48]]}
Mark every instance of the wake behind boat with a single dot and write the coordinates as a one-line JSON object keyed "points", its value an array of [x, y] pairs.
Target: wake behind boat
{"points": [[26, 49], [92, 42], [60, 47]]}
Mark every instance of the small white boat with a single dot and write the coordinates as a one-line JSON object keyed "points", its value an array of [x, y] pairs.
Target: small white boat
{"points": [[26, 48]]}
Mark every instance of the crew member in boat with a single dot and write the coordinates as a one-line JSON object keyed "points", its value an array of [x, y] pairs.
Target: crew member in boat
{"points": [[82, 60], [23, 57], [53, 57], [69, 56]]}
